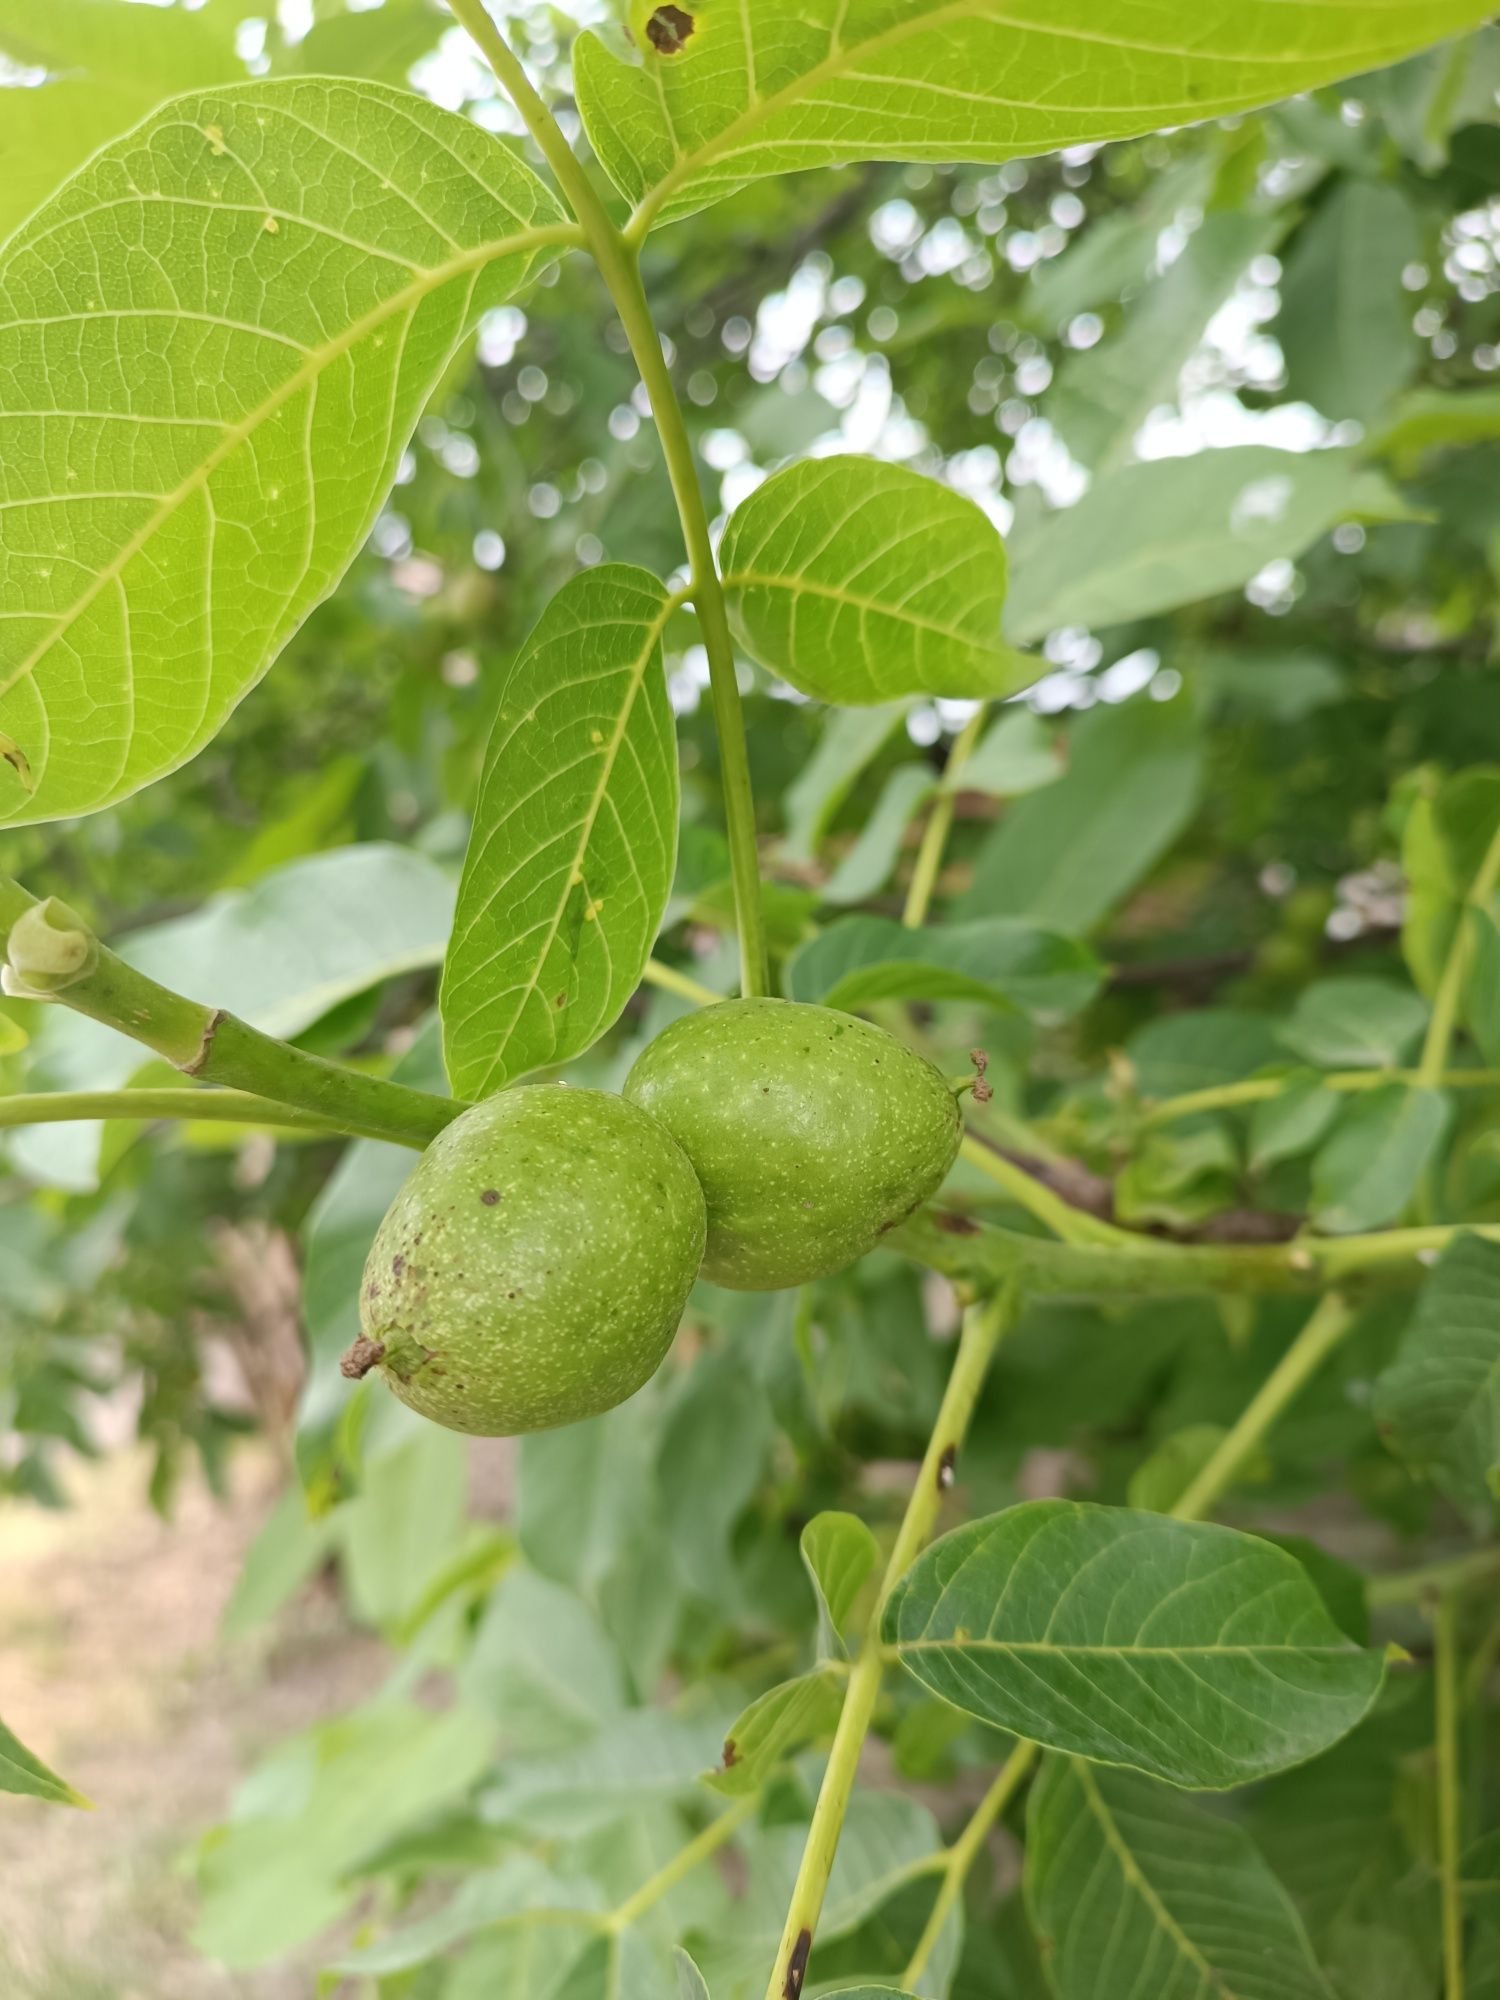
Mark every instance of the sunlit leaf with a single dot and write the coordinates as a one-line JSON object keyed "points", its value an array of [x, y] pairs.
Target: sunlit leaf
{"points": [[203, 400], [1191, 1652], [1138, 1889], [859, 581], [575, 836], [840, 1555], [718, 96]]}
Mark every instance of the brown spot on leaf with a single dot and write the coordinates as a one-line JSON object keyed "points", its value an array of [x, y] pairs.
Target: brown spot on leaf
{"points": [[796, 1970], [490, 1197], [357, 1360], [955, 1225], [18, 761], [731, 1753], [668, 28]]}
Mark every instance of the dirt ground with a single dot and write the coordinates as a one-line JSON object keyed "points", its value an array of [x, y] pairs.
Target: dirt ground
{"points": [[111, 1669]]}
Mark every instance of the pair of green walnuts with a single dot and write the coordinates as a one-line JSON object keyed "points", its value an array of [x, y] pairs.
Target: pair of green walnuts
{"points": [[534, 1268]]}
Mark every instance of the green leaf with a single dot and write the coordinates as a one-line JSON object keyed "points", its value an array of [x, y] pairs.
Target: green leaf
{"points": [[497, 1897], [1290, 1124], [866, 868], [202, 411], [292, 1543], [542, 1664], [1106, 393], [859, 581], [690, 1981], [1369, 1168], [108, 66], [1439, 1401], [1016, 754], [1481, 997], [1146, 538], [1199, 1049], [718, 96], [1345, 323], [575, 836], [1137, 1889], [21, 1772], [840, 1554], [1178, 1176], [1191, 1652], [1436, 419], [1000, 962], [1066, 856], [850, 740], [779, 1721], [1355, 1023]]}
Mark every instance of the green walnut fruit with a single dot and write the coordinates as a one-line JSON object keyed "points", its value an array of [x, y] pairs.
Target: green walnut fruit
{"points": [[534, 1268], [812, 1133]]}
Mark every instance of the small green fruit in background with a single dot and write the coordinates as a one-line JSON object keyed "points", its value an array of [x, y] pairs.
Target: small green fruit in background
{"points": [[534, 1268], [812, 1132]]}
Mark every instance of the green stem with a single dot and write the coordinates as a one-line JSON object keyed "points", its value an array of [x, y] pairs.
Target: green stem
{"points": [[682, 1864], [670, 980], [235, 1107], [939, 825], [961, 1856], [1324, 1328], [1069, 1224], [1450, 1792], [213, 1046], [1446, 1000], [620, 268], [1453, 1574], [983, 1328], [1258, 1089]]}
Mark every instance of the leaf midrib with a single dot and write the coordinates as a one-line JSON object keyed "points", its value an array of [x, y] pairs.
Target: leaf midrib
{"points": [[758, 579], [308, 372], [986, 1644]]}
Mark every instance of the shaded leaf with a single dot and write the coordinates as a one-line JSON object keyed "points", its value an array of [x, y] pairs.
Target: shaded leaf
{"points": [[291, 267], [1016, 754], [1355, 1023], [1439, 1401], [1345, 323], [866, 868], [1191, 1652], [1148, 537], [1372, 1164], [851, 738], [1292, 1122], [1138, 1889], [859, 581], [575, 836], [1000, 962], [1068, 854]]}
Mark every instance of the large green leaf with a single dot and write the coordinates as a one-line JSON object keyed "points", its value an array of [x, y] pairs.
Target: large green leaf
{"points": [[1137, 1889], [1345, 324], [1191, 1652], [21, 1772], [575, 836], [1355, 1023], [1439, 1401], [107, 66], [214, 343], [1148, 537], [1105, 393], [999, 961], [1065, 856], [721, 95], [859, 581], [1372, 1162]]}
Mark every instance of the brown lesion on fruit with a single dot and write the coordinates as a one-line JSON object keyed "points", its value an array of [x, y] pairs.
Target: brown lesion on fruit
{"points": [[398, 1265], [360, 1357], [668, 28], [490, 1196], [796, 1970]]}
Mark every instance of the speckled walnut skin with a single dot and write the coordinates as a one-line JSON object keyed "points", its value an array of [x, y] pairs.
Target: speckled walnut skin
{"points": [[534, 1268], [812, 1133]]}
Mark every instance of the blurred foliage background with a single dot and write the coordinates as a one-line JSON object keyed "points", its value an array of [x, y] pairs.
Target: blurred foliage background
{"points": [[1250, 804]]}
